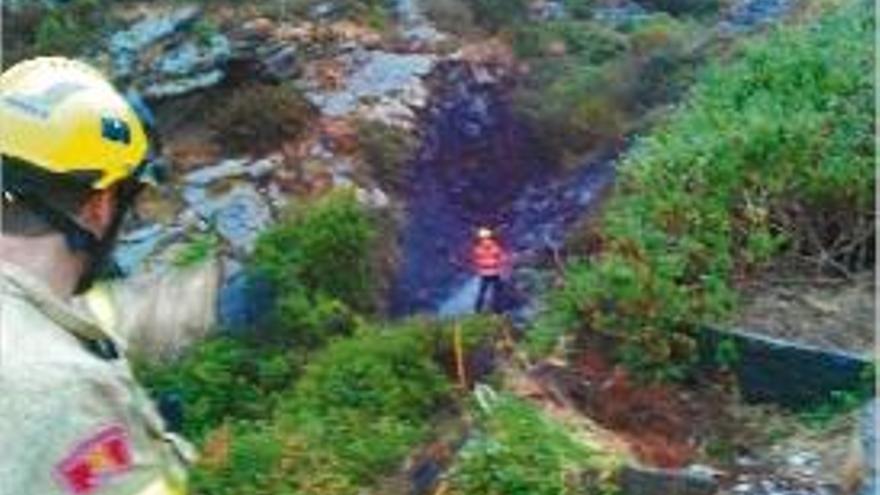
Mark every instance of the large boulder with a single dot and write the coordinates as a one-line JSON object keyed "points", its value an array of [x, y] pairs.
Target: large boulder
{"points": [[168, 53], [382, 86]]}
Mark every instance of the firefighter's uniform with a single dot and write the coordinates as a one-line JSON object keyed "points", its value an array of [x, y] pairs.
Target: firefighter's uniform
{"points": [[73, 420]]}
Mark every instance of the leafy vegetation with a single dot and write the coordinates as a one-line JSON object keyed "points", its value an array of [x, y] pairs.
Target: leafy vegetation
{"points": [[495, 15], [258, 118], [590, 84], [842, 401], [225, 378], [386, 150], [772, 155], [376, 13], [323, 249], [359, 408], [45, 29], [684, 7], [201, 248], [504, 456], [452, 16]]}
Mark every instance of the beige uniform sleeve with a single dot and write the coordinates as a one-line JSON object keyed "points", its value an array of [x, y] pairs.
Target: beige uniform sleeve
{"points": [[156, 316], [66, 430]]}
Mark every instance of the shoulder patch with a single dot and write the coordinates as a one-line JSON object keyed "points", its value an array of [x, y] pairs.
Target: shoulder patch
{"points": [[95, 461]]}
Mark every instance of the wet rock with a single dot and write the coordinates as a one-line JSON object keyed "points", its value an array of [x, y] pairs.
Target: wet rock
{"points": [[748, 15], [164, 55], [232, 168], [635, 480], [546, 10], [415, 26], [378, 79], [244, 301], [374, 198], [135, 248], [126, 46], [805, 462], [281, 64], [238, 215], [781, 372], [621, 14], [769, 484], [258, 50]]}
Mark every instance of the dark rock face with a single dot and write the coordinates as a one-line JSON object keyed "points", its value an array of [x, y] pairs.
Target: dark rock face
{"points": [[784, 373], [644, 481], [479, 165], [475, 159]]}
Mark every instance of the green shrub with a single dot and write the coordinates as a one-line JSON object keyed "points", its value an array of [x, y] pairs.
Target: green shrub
{"points": [[496, 15], [252, 452], [323, 249], [258, 118], [369, 398], [590, 43], [386, 150], [709, 196], [200, 249], [600, 89], [578, 109], [580, 9], [452, 16], [70, 28], [360, 407], [684, 7], [518, 450], [224, 379]]}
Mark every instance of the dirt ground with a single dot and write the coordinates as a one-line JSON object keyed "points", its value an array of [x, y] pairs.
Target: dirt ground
{"points": [[831, 314], [676, 426]]}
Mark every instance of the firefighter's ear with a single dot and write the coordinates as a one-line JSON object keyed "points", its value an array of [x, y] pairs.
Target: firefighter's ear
{"points": [[97, 212]]}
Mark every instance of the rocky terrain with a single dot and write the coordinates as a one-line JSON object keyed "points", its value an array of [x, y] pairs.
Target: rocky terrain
{"points": [[470, 160]]}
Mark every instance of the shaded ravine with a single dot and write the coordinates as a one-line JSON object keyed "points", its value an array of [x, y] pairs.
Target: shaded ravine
{"points": [[479, 165]]}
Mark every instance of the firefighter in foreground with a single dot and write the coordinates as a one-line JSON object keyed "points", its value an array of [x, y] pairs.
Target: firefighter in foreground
{"points": [[489, 260], [73, 420]]}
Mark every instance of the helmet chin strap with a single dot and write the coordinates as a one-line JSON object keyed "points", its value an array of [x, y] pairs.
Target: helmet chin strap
{"points": [[101, 249], [78, 238]]}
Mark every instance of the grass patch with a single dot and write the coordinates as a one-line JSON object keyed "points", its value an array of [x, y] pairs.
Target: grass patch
{"points": [[518, 450]]}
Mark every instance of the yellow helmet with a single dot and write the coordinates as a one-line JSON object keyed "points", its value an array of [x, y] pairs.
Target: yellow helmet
{"points": [[63, 117]]}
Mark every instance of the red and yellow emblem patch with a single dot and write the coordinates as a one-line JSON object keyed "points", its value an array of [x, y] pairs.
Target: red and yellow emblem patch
{"points": [[94, 461]]}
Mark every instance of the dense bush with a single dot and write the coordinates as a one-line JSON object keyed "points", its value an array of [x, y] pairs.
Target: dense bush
{"points": [[496, 15], [605, 81], [322, 249], [386, 150], [773, 154], [518, 450], [452, 16], [258, 118], [684, 7], [591, 43], [225, 379], [42, 28], [358, 410], [580, 9]]}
